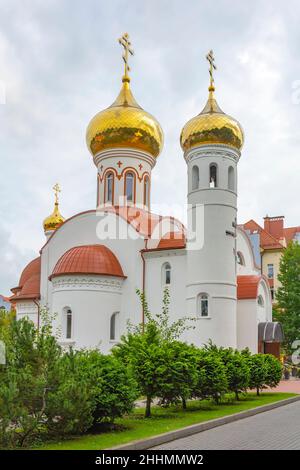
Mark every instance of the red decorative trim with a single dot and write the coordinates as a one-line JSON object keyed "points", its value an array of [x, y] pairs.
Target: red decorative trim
{"points": [[110, 168]]}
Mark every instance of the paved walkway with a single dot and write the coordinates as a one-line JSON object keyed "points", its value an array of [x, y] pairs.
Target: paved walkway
{"points": [[275, 429], [288, 386]]}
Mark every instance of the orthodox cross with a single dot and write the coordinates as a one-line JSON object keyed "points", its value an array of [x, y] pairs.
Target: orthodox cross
{"points": [[212, 67], [56, 189], [124, 41]]}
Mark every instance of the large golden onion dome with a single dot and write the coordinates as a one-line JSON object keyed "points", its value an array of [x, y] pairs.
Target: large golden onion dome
{"points": [[212, 125], [124, 123], [54, 220]]}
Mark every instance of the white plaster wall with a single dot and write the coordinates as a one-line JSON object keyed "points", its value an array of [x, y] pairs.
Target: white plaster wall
{"points": [[27, 309], [82, 230], [155, 285], [264, 313], [244, 247], [93, 300], [247, 331]]}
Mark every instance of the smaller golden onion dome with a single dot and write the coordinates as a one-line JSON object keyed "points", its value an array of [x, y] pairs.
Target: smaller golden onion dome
{"points": [[124, 123], [53, 221], [212, 125]]}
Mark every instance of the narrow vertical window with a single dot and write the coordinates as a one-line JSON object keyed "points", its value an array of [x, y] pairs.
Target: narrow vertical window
{"points": [[113, 326], [166, 274], [202, 305], [129, 186], [260, 301], [213, 176], [240, 258], [67, 319], [231, 182], [146, 191], [271, 271], [195, 177], [109, 187]]}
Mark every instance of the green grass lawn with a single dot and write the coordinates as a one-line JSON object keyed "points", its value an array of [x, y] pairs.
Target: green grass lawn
{"points": [[135, 426]]}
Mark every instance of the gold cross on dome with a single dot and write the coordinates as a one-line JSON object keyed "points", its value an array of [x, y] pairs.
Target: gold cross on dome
{"points": [[125, 42], [56, 189], [212, 67]]}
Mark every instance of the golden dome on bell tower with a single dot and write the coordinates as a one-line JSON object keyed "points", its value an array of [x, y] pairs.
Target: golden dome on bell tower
{"points": [[212, 125], [54, 220], [124, 123]]}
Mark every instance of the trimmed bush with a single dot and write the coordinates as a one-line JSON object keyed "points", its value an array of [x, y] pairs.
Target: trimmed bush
{"points": [[212, 379]]}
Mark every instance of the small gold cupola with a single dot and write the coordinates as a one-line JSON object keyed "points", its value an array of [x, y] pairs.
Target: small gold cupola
{"points": [[53, 221], [124, 123], [212, 125]]}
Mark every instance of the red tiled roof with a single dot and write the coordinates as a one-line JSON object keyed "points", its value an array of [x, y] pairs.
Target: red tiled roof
{"points": [[29, 284], [247, 286], [172, 240], [32, 268], [290, 233], [88, 259], [30, 290], [267, 241]]}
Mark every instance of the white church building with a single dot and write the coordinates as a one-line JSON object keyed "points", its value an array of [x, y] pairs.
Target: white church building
{"points": [[91, 264]]}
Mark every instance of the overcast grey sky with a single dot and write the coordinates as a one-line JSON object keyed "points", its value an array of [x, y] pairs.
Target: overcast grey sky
{"points": [[61, 63]]}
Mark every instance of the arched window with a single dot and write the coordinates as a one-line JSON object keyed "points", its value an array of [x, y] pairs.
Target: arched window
{"points": [[231, 182], [67, 322], [195, 177], [213, 176], [146, 191], [109, 187], [260, 301], [113, 326], [129, 186], [202, 305], [166, 274], [240, 258]]}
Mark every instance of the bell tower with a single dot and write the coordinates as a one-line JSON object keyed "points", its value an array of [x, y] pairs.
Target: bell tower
{"points": [[211, 142]]}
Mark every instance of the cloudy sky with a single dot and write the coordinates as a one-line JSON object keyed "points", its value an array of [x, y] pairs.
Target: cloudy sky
{"points": [[60, 63]]}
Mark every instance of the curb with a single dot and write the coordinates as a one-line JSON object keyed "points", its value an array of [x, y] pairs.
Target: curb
{"points": [[144, 444]]}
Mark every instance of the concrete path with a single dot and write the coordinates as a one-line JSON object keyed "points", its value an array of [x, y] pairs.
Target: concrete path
{"points": [[275, 429]]}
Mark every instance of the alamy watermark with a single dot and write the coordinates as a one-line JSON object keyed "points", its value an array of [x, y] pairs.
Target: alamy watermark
{"points": [[139, 221]]}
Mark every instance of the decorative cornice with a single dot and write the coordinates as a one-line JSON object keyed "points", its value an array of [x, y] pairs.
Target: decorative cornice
{"points": [[93, 283], [124, 153], [216, 150]]}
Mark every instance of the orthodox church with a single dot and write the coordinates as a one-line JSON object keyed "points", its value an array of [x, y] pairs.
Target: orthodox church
{"points": [[91, 264]]}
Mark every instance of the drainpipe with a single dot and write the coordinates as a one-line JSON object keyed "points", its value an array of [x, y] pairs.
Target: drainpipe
{"points": [[143, 282]]}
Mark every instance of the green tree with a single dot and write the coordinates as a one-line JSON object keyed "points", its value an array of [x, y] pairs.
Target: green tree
{"points": [[274, 370], [237, 369], [287, 310], [148, 350], [212, 379], [258, 371], [27, 377], [181, 373]]}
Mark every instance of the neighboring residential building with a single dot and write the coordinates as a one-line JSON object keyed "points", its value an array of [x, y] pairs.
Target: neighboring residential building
{"points": [[273, 238], [5, 303], [92, 263]]}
